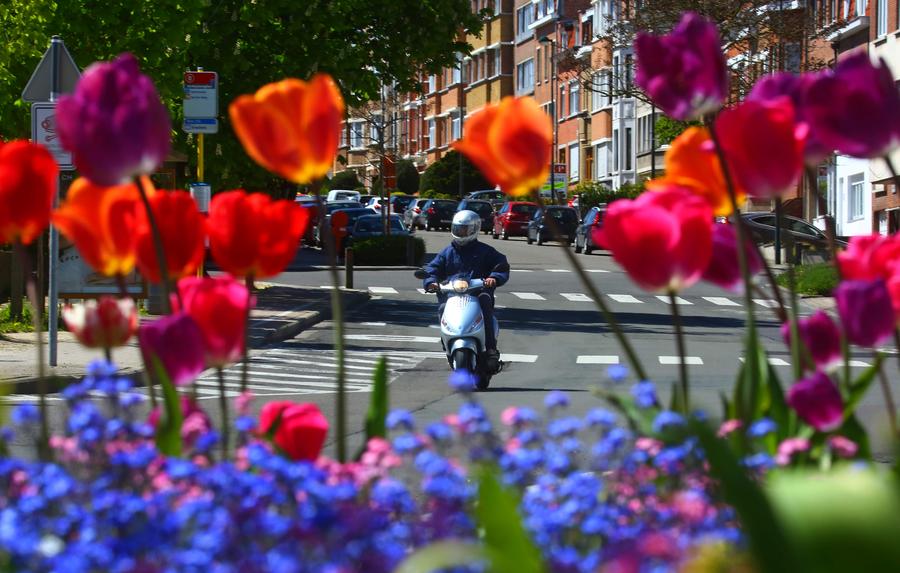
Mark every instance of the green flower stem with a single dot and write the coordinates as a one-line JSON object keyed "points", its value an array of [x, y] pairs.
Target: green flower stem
{"points": [[888, 398], [245, 365], [598, 300], [337, 318], [157, 246], [897, 343], [37, 305], [223, 406], [684, 400]]}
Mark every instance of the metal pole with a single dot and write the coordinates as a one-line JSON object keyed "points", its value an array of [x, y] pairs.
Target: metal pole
{"points": [[553, 89], [200, 165], [348, 267], [53, 304], [652, 141]]}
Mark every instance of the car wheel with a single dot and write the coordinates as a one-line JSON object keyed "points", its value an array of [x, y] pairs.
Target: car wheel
{"points": [[428, 226]]}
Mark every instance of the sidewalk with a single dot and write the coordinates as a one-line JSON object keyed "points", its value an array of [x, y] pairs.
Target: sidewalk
{"points": [[281, 312]]}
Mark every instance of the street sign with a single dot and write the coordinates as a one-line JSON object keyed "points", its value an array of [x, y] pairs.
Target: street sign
{"points": [[43, 131], [558, 181], [40, 85], [202, 193], [201, 95], [200, 125]]}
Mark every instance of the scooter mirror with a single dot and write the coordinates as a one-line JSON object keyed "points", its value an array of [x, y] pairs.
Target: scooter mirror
{"points": [[420, 274]]}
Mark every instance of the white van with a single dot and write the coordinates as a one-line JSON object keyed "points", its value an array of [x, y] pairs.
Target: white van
{"points": [[342, 195]]}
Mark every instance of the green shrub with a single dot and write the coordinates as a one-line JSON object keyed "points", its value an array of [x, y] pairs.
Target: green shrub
{"points": [[25, 323], [378, 251], [407, 177], [432, 194], [344, 180], [591, 193], [817, 280], [443, 175]]}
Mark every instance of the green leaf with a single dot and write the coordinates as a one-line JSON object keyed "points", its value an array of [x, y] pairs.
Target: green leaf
{"points": [[509, 547], [168, 432], [640, 420], [778, 409], [860, 386], [855, 431], [443, 555], [764, 531], [378, 404]]}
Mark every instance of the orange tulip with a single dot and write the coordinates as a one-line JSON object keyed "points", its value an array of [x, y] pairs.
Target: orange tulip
{"points": [[183, 232], [27, 184], [100, 221], [691, 162], [510, 142], [291, 127]]}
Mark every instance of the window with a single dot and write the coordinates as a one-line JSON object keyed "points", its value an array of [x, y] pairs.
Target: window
{"points": [[357, 129], [538, 59], [432, 83], [562, 101], [629, 149], [456, 72], [601, 164], [496, 62], [344, 135], [882, 16], [455, 126], [597, 99], [615, 151], [587, 31], [540, 9], [524, 18], [608, 86], [375, 128], [574, 162], [629, 71], [498, 6], [855, 185], [432, 129], [574, 102], [525, 77]]}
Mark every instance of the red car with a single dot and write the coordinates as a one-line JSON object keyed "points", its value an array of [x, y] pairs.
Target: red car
{"points": [[512, 219]]}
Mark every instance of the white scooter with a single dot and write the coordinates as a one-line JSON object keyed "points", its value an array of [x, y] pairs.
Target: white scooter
{"points": [[462, 328]]}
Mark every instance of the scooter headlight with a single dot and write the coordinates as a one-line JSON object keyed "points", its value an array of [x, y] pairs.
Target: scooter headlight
{"points": [[460, 285]]}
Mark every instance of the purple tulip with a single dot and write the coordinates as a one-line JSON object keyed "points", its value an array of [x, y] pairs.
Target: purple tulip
{"points": [[684, 71], [866, 312], [724, 269], [821, 336], [855, 109], [817, 401], [114, 124], [177, 342], [795, 87]]}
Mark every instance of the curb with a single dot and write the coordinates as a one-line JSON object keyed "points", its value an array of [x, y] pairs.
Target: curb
{"points": [[313, 318]]}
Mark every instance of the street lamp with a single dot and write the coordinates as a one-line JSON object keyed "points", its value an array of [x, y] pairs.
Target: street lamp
{"points": [[553, 89]]}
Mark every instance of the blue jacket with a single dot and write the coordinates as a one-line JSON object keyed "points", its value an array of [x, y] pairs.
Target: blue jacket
{"points": [[474, 260]]}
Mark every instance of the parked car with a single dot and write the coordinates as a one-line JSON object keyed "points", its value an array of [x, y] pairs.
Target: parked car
{"points": [[400, 202], [412, 213], [762, 229], [364, 199], [584, 234], [375, 204], [329, 209], [566, 219], [436, 214], [484, 209], [368, 226], [304, 199], [512, 219], [495, 198], [342, 195], [346, 231]]}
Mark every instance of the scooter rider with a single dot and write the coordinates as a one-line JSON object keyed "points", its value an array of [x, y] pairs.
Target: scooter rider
{"points": [[467, 258]]}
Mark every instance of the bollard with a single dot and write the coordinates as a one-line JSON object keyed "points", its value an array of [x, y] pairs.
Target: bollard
{"points": [[348, 267]]}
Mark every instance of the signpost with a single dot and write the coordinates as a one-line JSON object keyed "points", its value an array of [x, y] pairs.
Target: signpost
{"points": [[201, 116], [55, 74], [556, 183]]}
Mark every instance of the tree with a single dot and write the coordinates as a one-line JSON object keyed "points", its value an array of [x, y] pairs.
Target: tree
{"points": [[667, 129], [592, 193], [359, 42], [407, 177], [443, 176], [344, 180]]}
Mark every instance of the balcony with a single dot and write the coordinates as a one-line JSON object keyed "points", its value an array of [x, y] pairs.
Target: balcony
{"points": [[849, 28]]}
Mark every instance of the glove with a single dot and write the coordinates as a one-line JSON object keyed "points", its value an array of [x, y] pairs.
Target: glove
{"points": [[432, 287]]}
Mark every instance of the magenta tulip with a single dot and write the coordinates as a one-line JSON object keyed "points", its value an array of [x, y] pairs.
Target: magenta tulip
{"points": [[793, 86], [818, 402], [866, 312], [763, 145], [177, 342], [105, 323], [663, 239], [821, 337], [114, 124], [856, 108], [683, 72], [219, 307], [724, 269]]}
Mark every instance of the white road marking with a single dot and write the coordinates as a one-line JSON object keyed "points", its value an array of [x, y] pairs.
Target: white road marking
{"points": [[393, 338], [382, 290], [677, 360], [558, 271], [422, 291], [597, 270], [721, 301], [626, 298], [859, 364], [434, 326], [528, 295], [577, 297], [678, 300], [766, 303], [374, 323], [523, 270], [518, 357], [601, 359]]}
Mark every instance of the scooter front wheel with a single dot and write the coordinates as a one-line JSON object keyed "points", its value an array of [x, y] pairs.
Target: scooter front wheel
{"points": [[462, 359]]}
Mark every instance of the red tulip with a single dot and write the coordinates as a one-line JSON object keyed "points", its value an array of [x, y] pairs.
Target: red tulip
{"points": [[250, 234], [291, 127], [724, 269], [662, 239], [219, 307], [818, 402], [183, 233], [300, 431], [764, 146], [27, 185], [104, 323]]}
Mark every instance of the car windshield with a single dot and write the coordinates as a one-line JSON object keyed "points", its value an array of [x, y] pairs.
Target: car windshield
{"points": [[332, 207], [370, 224], [565, 215], [444, 206], [403, 200], [524, 209], [480, 208]]}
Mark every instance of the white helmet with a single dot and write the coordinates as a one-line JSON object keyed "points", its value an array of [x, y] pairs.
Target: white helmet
{"points": [[465, 227]]}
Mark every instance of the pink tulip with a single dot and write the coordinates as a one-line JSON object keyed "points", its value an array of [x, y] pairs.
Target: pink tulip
{"points": [[870, 257], [662, 239], [821, 337], [301, 428], [724, 269], [817, 401], [114, 123], [177, 342], [866, 311], [104, 323], [219, 307], [763, 145], [683, 72]]}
